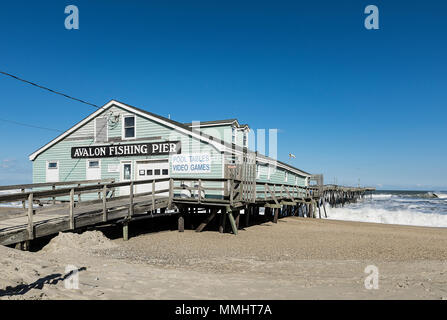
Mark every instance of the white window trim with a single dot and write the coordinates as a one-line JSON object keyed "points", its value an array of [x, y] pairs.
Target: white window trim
{"points": [[87, 163], [269, 173], [123, 131], [258, 171], [132, 169], [286, 176], [107, 129]]}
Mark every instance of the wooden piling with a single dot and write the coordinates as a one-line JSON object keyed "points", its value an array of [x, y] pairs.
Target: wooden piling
{"points": [[125, 231], [275, 217], [181, 221]]}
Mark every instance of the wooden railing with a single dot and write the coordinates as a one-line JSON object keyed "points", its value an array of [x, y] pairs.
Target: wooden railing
{"points": [[217, 191]]}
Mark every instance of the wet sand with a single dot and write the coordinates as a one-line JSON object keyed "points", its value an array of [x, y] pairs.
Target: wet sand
{"points": [[297, 258]]}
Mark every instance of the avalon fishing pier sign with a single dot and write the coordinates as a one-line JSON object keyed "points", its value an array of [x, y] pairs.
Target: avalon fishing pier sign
{"points": [[125, 150]]}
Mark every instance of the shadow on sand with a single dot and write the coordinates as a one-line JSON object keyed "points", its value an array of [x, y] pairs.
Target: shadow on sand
{"points": [[21, 289]]}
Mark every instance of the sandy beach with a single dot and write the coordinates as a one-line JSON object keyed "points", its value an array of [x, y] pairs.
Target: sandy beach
{"points": [[297, 258]]}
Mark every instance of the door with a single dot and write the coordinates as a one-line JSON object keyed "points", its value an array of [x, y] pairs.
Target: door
{"points": [[52, 171], [93, 170], [149, 170], [126, 175]]}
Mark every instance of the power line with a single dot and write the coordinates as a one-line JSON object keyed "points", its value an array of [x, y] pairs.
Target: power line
{"points": [[29, 125], [48, 89]]}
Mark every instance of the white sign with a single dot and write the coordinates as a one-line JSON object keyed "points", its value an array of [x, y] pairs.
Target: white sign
{"points": [[113, 168], [191, 163]]}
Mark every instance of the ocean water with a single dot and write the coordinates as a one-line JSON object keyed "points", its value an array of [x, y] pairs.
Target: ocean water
{"points": [[10, 204], [416, 208]]}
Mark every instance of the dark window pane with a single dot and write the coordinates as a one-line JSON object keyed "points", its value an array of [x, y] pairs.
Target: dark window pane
{"points": [[129, 122], [157, 172], [52, 165], [129, 132], [93, 164], [165, 172], [149, 172]]}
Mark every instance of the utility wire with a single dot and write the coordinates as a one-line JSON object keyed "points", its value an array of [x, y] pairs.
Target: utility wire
{"points": [[29, 125], [48, 89]]}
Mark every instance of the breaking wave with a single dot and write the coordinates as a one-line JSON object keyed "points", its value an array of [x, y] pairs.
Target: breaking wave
{"points": [[404, 208]]}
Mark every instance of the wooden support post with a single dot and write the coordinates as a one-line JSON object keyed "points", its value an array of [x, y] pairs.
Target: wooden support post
{"points": [[131, 200], [181, 221], [171, 193], [125, 231], [231, 191], [319, 209], [30, 217], [247, 215], [324, 207], [275, 218], [72, 209], [79, 194], [206, 221], [104, 203], [23, 201], [223, 219], [311, 210], [54, 199], [199, 190], [153, 195], [232, 222]]}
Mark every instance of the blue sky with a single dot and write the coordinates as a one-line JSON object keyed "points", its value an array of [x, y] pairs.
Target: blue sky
{"points": [[350, 103]]}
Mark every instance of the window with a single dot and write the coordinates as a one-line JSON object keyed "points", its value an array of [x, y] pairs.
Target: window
{"points": [[286, 176], [233, 134], [165, 172], [142, 172], [129, 127], [52, 165], [269, 172], [157, 172], [245, 140], [94, 164], [296, 180], [258, 171], [101, 129], [149, 172], [126, 172]]}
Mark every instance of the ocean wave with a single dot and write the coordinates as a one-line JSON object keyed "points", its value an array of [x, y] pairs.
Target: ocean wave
{"points": [[440, 195], [381, 196], [402, 216]]}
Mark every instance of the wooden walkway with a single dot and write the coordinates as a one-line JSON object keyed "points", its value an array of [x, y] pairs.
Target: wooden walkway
{"points": [[50, 208]]}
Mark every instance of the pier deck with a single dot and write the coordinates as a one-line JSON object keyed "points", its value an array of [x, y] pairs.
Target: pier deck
{"points": [[50, 208]]}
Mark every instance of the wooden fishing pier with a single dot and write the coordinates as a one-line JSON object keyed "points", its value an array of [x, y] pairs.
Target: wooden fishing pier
{"points": [[45, 209]]}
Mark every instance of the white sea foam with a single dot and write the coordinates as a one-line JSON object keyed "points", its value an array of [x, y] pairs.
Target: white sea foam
{"points": [[381, 196], [441, 195], [403, 216], [10, 204]]}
